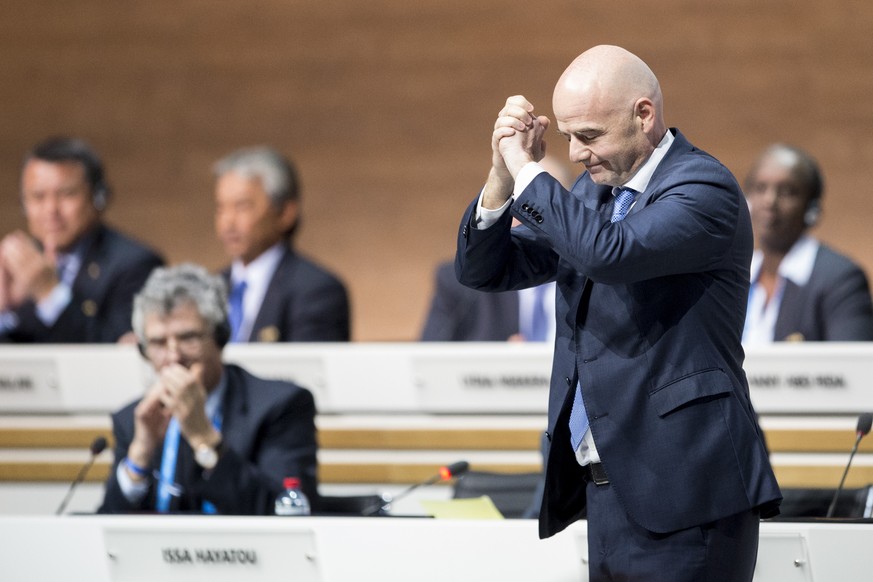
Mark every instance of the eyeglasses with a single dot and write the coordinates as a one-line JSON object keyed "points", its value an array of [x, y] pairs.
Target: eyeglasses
{"points": [[189, 343]]}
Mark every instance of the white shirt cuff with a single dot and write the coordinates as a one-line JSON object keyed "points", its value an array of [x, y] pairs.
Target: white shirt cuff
{"points": [[486, 217], [49, 309], [132, 490], [525, 176]]}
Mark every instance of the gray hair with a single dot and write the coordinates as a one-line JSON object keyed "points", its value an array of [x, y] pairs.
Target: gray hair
{"points": [[276, 172], [187, 284]]}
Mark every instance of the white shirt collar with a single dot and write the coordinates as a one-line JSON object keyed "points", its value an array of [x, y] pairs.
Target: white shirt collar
{"points": [[797, 264], [265, 264], [257, 276], [640, 181]]}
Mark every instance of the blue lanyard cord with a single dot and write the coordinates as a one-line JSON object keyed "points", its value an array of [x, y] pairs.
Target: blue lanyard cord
{"points": [[167, 487], [168, 466]]}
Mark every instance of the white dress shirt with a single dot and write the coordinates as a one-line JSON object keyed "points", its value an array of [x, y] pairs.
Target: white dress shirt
{"points": [[257, 276], [761, 314]]}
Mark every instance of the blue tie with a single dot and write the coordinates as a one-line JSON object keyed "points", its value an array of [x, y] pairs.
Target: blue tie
{"points": [[539, 319], [235, 310], [578, 417]]}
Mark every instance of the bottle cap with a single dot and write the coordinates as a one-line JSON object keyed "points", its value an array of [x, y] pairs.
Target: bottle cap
{"points": [[291, 483]]}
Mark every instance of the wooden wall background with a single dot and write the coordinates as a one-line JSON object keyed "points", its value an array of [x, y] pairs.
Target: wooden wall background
{"points": [[387, 107]]}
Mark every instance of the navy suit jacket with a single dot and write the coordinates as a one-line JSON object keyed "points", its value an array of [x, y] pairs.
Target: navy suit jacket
{"points": [[834, 305], [461, 314], [114, 269], [268, 433], [304, 303], [650, 313]]}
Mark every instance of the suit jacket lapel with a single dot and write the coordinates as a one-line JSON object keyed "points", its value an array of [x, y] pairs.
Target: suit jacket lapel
{"points": [[270, 312]]}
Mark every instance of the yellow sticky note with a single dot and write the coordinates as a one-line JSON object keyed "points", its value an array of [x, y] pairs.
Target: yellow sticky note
{"points": [[471, 508]]}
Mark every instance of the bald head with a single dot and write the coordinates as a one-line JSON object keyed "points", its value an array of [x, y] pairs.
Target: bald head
{"points": [[609, 95], [611, 76]]}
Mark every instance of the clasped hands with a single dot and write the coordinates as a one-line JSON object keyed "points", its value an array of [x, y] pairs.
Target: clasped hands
{"points": [[177, 392], [25, 270], [517, 140]]}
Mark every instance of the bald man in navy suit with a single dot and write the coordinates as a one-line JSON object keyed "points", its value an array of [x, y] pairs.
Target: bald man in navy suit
{"points": [[650, 425]]}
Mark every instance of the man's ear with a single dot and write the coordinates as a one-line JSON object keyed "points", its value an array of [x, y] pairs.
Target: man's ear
{"points": [[289, 214], [644, 112]]}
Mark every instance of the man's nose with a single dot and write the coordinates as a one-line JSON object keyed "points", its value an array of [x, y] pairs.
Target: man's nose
{"points": [[174, 352], [579, 153]]}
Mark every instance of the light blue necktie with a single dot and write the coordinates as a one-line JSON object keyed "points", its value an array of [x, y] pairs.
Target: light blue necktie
{"points": [[235, 309], [539, 319], [578, 417]]}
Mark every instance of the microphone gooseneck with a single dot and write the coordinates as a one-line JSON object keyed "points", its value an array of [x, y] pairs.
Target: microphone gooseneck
{"points": [[444, 474], [98, 445], [865, 422]]}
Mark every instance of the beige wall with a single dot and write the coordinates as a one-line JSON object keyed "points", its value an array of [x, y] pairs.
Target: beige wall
{"points": [[387, 106]]}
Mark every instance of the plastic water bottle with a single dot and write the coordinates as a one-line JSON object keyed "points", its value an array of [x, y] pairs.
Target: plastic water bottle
{"points": [[292, 501]]}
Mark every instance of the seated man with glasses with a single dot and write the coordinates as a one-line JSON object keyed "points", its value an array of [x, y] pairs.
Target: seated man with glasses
{"points": [[207, 437]]}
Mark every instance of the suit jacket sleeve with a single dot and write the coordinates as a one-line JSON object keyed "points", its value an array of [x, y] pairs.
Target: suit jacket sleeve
{"points": [[114, 500], [678, 227]]}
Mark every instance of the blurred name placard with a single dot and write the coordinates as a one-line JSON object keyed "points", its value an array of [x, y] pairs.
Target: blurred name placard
{"points": [[452, 378]]}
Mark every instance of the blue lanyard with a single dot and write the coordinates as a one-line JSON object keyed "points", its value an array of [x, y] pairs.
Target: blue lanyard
{"points": [[167, 488]]}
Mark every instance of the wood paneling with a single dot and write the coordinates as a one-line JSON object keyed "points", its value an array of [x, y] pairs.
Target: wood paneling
{"points": [[387, 106]]}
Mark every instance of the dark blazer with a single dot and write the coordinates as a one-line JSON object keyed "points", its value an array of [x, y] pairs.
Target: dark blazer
{"points": [[114, 268], [650, 313], [304, 303], [834, 305], [458, 313], [268, 431]]}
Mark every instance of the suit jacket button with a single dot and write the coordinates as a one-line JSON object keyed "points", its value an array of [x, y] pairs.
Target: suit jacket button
{"points": [[539, 219], [568, 380], [89, 308], [464, 231]]}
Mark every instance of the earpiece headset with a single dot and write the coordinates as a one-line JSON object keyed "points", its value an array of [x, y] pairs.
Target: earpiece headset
{"points": [[813, 211]]}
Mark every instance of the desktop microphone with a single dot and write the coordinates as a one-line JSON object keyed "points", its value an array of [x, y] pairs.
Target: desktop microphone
{"points": [[444, 474], [865, 421], [97, 447]]}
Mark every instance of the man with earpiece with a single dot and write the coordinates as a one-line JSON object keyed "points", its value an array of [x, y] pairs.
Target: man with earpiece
{"points": [[206, 437], [70, 278], [801, 289]]}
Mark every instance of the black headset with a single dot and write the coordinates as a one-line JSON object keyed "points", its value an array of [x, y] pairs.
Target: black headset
{"points": [[813, 211]]}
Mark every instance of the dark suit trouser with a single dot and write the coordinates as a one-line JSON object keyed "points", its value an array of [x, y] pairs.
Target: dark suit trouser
{"points": [[620, 550]]}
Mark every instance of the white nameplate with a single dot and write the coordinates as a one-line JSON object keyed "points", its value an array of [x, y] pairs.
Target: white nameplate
{"points": [[483, 380], [812, 378], [197, 554], [29, 383], [69, 377]]}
